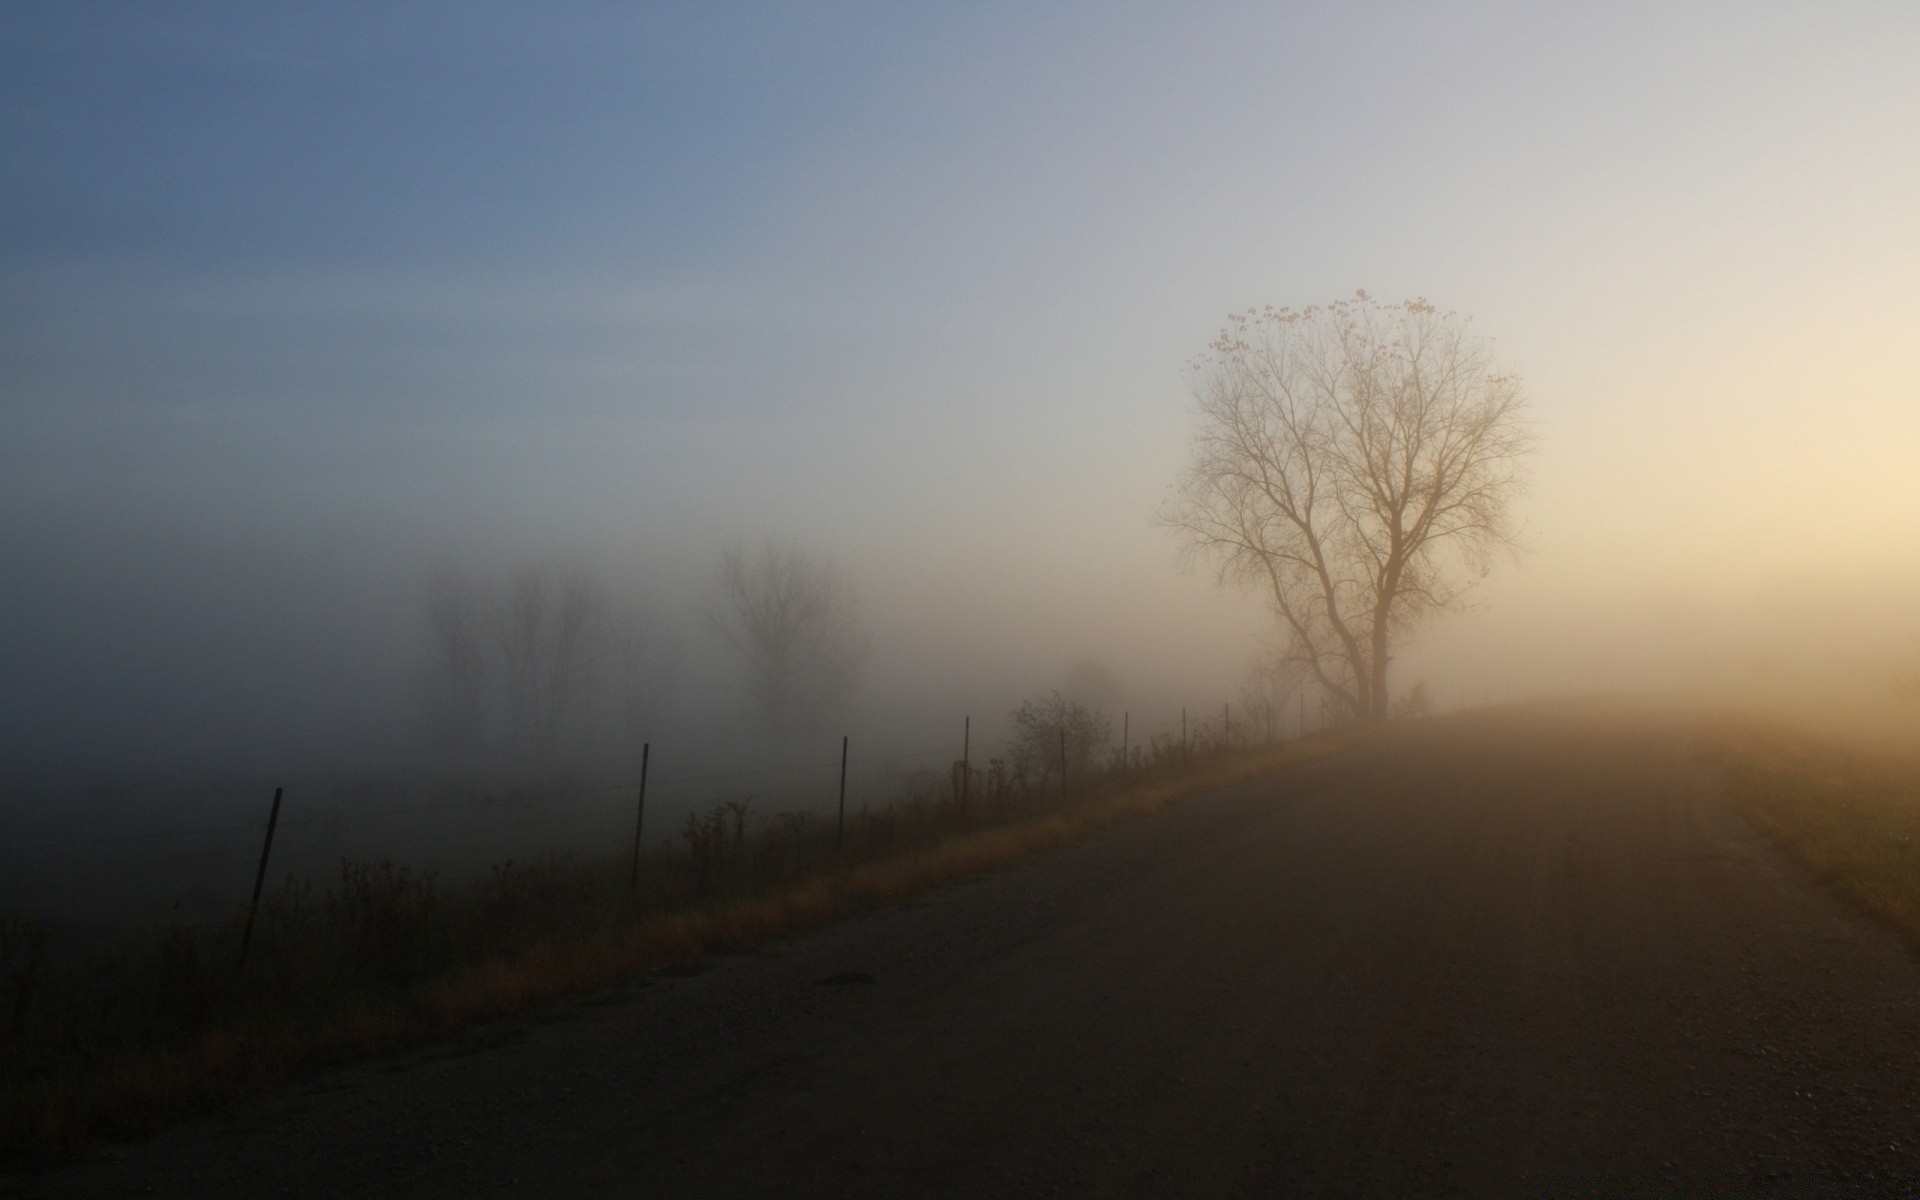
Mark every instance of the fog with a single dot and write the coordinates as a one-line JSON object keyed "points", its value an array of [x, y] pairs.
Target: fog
{"points": [[302, 311]]}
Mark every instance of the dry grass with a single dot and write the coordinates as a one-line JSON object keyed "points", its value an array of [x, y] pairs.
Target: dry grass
{"points": [[1851, 814], [388, 959]]}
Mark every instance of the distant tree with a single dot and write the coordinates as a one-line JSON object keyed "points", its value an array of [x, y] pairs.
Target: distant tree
{"points": [[574, 649], [520, 632], [1094, 685], [457, 670], [519, 666], [550, 631], [1038, 727], [1270, 682], [793, 620], [1353, 462], [1416, 703], [644, 664]]}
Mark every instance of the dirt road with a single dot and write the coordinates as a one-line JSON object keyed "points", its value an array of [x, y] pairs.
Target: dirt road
{"points": [[1524, 954]]}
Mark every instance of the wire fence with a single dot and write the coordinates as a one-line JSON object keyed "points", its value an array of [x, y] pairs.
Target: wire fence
{"points": [[639, 815]]}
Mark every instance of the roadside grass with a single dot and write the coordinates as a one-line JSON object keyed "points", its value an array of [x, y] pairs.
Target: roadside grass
{"points": [[117, 1043], [1852, 814]]}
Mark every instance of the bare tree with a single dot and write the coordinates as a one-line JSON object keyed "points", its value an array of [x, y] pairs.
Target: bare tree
{"points": [[1417, 703], [793, 620], [1355, 463], [524, 666], [457, 675], [520, 629], [1093, 684], [548, 629], [574, 651], [643, 664]]}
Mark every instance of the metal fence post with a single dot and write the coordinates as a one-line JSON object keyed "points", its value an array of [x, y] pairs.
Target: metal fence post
{"points": [[639, 817], [840, 826], [260, 879]]}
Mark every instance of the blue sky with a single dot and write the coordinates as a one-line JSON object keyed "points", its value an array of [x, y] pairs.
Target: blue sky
{"points": [[311, 293]]}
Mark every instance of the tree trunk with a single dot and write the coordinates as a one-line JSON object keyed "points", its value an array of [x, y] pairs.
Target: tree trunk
{"points": [[1378, 669]]}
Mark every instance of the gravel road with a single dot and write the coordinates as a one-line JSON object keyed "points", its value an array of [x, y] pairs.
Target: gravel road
{"points": [[1527, 953]]}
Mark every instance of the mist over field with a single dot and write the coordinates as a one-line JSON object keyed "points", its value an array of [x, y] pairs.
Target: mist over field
{"points": [[307, 315]]}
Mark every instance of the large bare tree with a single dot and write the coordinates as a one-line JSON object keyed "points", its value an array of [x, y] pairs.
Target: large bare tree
{"points": [[794, 622], [1356, 463]]}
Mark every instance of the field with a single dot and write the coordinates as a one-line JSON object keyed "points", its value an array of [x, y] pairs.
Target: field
{"points": [[1849, 811]]}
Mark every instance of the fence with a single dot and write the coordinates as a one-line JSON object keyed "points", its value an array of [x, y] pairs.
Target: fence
{"points": [[385, 953], [93, 884]]}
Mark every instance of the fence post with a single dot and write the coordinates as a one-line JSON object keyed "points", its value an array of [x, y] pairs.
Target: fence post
{"points": [[639, 817], [966, 761], [840, 826], [260, 879], [1063, 760], [1125, 719]]}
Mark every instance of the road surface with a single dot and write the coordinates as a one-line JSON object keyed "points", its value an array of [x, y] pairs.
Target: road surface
{"points": [[1527, 953]]}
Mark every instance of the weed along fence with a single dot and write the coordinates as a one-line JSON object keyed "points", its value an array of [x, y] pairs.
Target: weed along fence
{"points": [[333, 932]]}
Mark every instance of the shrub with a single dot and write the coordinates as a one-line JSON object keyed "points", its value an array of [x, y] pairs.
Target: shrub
{"points": [[1046, 731]]}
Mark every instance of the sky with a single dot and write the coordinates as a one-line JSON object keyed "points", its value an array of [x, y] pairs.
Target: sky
{"points": [[295, 300]]}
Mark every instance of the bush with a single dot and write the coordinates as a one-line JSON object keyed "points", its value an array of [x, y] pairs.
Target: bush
{"points": [[1047, 731]]}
